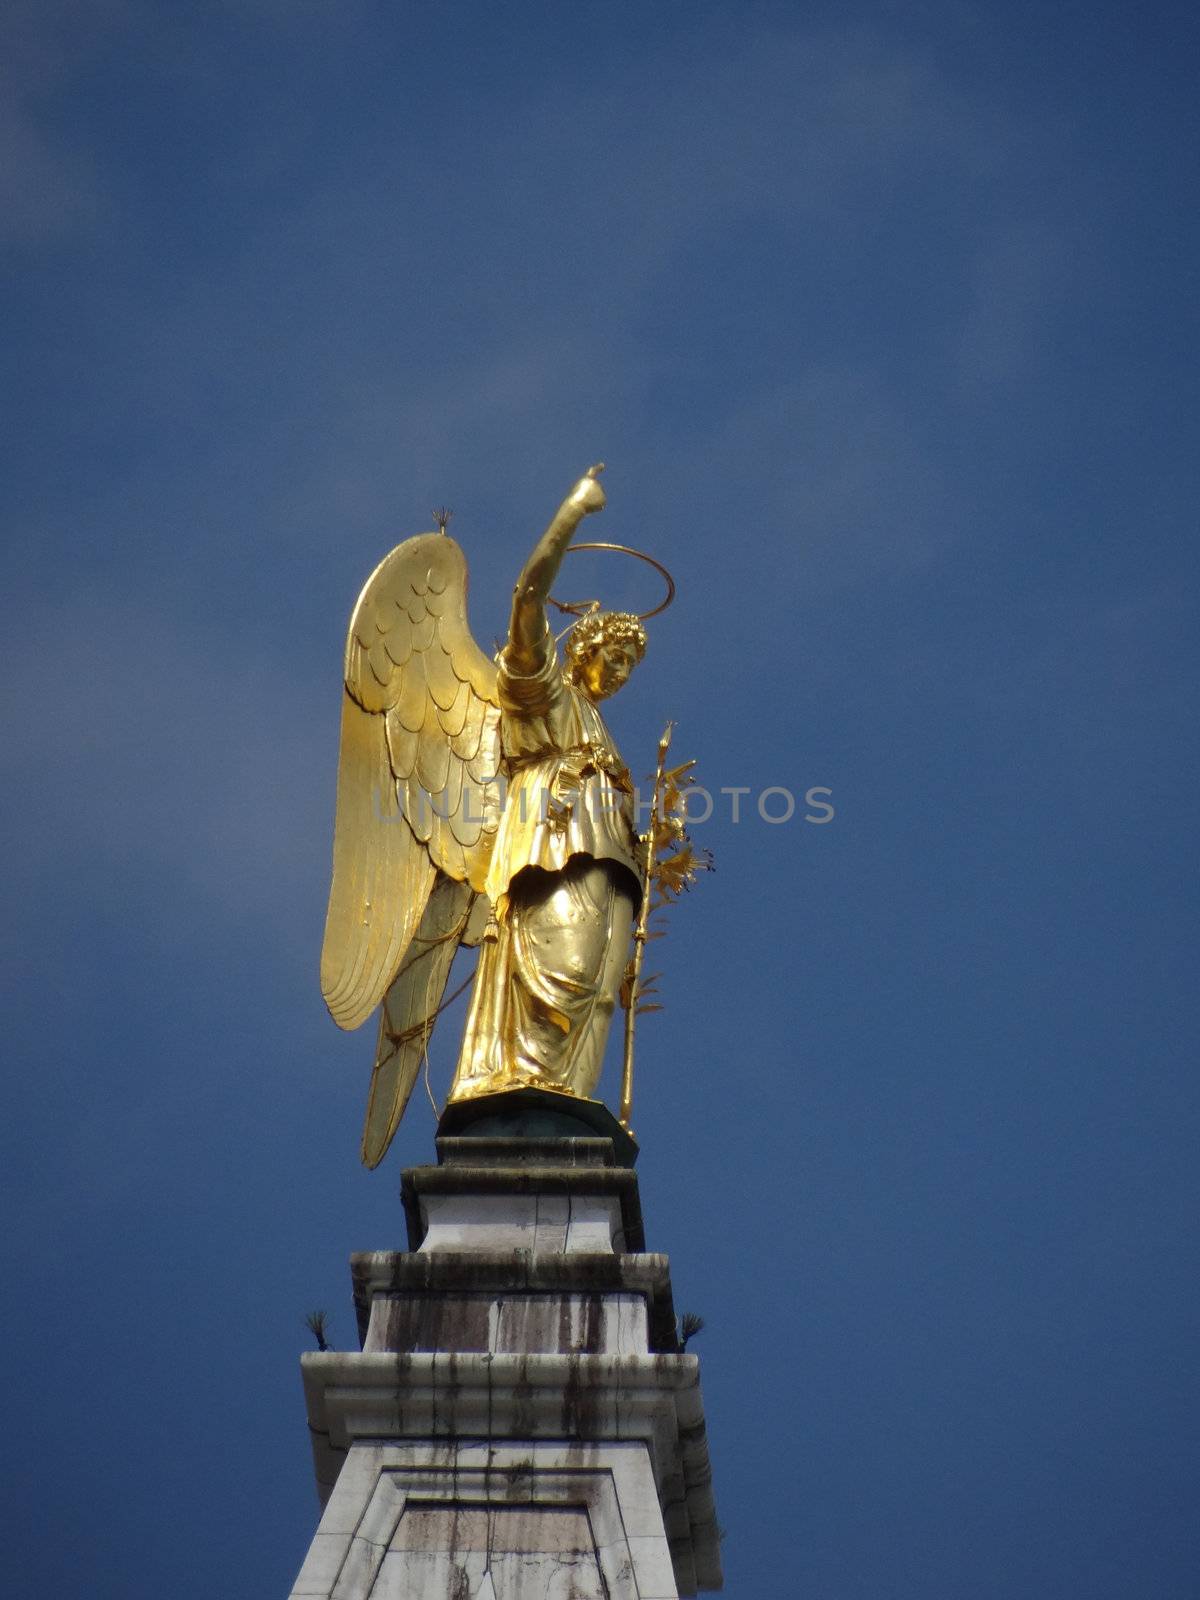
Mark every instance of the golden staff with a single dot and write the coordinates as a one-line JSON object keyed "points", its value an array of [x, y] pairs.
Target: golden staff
{"points": [[641, 931]]}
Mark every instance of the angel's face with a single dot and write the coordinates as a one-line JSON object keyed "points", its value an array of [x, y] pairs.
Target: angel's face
{"points": [[606, 669]]}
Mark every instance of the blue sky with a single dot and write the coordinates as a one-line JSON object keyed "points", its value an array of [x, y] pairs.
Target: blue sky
{"points": [[884, 319]]}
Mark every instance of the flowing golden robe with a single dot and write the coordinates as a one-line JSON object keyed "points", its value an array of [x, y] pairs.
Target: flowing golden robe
{"points": [[563, 881]]}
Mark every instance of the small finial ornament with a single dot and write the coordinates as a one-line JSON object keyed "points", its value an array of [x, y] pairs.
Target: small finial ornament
{"points": [[442, 517]]}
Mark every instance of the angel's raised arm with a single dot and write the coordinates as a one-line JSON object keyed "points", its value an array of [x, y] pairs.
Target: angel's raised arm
{"points": [[527, 629]]}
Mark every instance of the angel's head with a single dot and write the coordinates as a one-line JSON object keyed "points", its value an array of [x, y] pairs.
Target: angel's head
{"points": [[602, 650]]}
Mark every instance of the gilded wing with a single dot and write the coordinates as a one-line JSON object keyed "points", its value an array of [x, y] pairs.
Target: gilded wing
{"points": [[410, 1007], [417, 793]]}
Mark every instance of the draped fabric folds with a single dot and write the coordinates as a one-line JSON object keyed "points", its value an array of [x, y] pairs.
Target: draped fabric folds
{"points": [[563, 881], [547, 983]]}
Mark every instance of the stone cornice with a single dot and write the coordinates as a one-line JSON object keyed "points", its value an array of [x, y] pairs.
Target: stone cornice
{"points": [[391, 1272], [575, 1398]]}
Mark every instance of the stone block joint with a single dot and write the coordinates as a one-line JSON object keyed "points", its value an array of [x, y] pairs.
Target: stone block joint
{"points": [[520, 1420]]}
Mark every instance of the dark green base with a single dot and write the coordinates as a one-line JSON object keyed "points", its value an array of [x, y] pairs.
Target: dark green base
{"points": [[537, 1114]]}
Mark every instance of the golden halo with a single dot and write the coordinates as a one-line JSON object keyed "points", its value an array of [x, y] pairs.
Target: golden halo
{"points": [[581, 608]]}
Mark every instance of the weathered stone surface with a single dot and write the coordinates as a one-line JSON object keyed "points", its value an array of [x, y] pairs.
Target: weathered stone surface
{"points": [[520, 1422], [415, 1522], [545, 1223], [392, 1276], [517, 1153], [594, 1401], [594, 1324], [506, 1198]]}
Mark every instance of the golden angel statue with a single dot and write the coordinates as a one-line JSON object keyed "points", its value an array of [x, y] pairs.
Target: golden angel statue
{"points": [[426, 858]]}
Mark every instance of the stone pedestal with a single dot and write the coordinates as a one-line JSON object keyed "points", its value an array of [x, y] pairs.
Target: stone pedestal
{"points": [[520, 1421]]}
